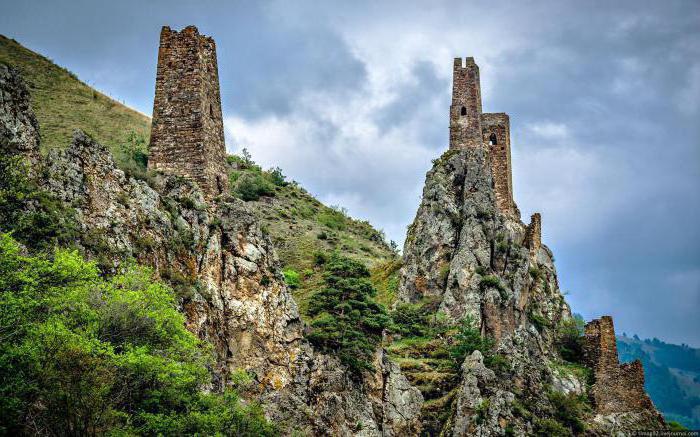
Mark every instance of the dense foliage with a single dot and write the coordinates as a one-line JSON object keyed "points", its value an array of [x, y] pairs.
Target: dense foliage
{"points": [[346, 320], [569, 338], [85, 355], [35, 218]]}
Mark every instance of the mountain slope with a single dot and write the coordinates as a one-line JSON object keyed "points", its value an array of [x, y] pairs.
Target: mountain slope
{"points": [[63, 103], [672, 376]]}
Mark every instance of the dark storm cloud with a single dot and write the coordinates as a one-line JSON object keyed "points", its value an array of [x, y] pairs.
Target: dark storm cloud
{"points": [[351, 100]]}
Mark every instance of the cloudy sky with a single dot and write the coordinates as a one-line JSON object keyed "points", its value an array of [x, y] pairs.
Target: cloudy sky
{"points": [[351, 99]]}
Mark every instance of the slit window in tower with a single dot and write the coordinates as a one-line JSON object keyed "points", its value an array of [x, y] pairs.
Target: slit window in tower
{"points": [[463, 111], [493, 140]]}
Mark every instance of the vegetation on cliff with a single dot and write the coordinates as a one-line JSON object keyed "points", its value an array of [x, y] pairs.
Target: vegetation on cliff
{"points": [[304, 231], [346, 321], [35, 218], [83, 354]]}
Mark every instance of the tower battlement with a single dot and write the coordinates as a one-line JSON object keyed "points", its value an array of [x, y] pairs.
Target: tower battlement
{"points": [[187, 134], [469, 127]]}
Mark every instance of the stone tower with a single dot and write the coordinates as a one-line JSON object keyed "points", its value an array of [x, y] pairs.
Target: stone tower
{"points": [[187, 135], [469, 127], [465, 111]]}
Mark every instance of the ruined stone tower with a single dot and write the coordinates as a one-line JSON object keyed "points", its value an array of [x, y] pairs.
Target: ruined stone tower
{"points": [[187, 135], [469, 127], [617, 388]]}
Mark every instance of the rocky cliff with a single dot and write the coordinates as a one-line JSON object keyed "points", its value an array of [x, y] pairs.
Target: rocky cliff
{"points": [[478, 262], [226, 272]]}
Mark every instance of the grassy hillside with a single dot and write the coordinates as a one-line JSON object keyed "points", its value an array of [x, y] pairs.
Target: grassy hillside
{"points": [[63, 103], [672, 376], [305, 231], [302, 228]]}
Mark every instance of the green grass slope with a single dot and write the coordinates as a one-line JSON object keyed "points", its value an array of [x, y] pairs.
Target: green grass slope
{"points": [[63, 103], [301, 227], [305, 232]]}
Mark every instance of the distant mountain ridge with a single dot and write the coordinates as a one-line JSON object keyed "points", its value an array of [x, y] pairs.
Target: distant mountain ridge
{"points": [[672, 376]]}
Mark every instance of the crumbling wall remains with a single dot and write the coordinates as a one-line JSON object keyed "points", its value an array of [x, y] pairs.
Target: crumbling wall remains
{"points": [[617, 388]]}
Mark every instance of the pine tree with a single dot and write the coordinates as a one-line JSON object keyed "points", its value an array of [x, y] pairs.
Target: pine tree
{"points": [[347, 322]]}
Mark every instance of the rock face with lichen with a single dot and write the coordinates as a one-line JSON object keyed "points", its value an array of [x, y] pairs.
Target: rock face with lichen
{"points": [[19, 129], [477, 261]]}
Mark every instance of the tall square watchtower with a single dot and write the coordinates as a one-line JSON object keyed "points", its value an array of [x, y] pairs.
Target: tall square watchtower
{"points": [[187, 134], [469, 127]]}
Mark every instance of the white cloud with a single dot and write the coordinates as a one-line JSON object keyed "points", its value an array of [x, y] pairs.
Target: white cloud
{"points": [[549, 130]]}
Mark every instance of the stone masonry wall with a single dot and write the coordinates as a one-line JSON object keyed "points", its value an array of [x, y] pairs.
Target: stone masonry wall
{"points": [[533, 236], [496, 133], [616, 388], [469, 127], [187, 136], [465, 111]]}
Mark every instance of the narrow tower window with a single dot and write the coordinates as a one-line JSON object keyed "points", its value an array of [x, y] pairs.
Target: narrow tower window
{"points": [[493, 140], [463, 111]]}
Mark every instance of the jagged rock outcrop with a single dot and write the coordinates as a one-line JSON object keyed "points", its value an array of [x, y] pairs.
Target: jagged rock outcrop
{"points": [[479, 261], [475, 260], [19, 129]]}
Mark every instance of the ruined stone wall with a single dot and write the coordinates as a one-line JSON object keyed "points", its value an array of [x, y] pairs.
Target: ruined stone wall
{"points": [[617, 388], [496, 134], [187, 136], [465, 111], [533, 236]]}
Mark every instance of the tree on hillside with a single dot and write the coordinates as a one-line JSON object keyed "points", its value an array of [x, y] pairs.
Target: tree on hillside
{"points": [[86, 355], [347, 322]]}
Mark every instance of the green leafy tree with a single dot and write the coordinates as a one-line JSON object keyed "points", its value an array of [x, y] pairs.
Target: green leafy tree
{"points": [[467, 340], [252, 186], [347, 322], [85, 355]]}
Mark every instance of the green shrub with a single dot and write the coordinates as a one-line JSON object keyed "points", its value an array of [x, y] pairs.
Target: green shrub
{"points": [[496, 362], [276, 176], [410, 320], [91, 355], [444, 272], [491, 281], [333, 219], [35, 217], [675, 426], [252, 186], [482, 410], [132, 156], [467, 340], [569, 339], [292, 278], [320, 258], [346, 321], [545, 427], [569, 410], [539, 321]]}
